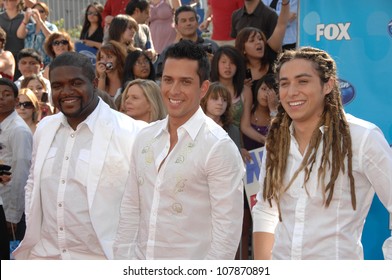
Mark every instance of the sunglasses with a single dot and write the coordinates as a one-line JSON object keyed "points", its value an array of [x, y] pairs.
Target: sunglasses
{"points": [[92, 13], [61, 42], [26, 105]]}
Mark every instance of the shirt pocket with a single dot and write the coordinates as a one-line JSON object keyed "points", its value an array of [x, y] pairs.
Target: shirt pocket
{"points": [[81, 168], [49, 165]]}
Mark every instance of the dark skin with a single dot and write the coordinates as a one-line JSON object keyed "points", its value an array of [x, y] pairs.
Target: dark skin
{"points": [[73, 93]]}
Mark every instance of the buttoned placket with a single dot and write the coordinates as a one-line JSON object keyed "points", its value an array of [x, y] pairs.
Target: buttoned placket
{"points": [[60, 197], [299, 224]]}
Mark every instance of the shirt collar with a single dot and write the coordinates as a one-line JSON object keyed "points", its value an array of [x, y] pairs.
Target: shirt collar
{"points": [[291, 128], [256, 11], [192, 126], [5, 123], [90, 121]]}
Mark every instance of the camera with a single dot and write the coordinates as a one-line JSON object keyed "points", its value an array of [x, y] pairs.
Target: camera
{"points": [[45, 97], [207, 47], [109, 65], [248, 74]]}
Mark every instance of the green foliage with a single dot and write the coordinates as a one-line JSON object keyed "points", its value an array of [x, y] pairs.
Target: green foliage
{"points": [[73, 32]]}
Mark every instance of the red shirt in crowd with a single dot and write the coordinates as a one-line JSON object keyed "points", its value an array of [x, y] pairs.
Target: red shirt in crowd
{"points": [[221, 20]]}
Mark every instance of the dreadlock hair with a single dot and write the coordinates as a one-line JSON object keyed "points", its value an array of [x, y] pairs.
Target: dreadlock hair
{"points": [[336, 139]]}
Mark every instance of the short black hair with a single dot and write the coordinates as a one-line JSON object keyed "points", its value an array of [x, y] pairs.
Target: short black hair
{"points": [[186, 49], [74, 59], [29, 52], [182, 9], [142, 5], [8, 82]]}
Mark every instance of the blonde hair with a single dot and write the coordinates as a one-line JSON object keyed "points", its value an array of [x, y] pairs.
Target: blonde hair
{"points": [[33, 98], [153, 94], [335, 141]]}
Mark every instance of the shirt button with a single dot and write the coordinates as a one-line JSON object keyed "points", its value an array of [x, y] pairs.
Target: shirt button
{"points": [[66, 158], [72, 135], [61, 229], [60, 205], [64, 251], [62, 181]]}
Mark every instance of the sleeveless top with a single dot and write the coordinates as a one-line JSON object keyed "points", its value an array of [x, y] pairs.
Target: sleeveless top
{"points": [[250, 144], [238, 107], [162, 28]]}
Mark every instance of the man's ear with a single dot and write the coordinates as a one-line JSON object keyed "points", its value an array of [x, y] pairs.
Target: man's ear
{"points": [[204, 88], [41, 66], [16, 101], [328, 86]]}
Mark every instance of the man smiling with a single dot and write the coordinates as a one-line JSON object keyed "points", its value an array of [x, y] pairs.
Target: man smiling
{"points": [[81, 161], [184, 197]]}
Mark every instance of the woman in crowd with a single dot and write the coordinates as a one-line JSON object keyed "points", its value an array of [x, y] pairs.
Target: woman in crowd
{"points": [[228, 68], [92, 30], [258, 52], [37, 85], [138, 66], [162, 28], [216, 104], [7, 60], [35, 29], [110, 68], [264, 107], [10, 20], [123, 29], [28, 108], [56, 44], [142, 100]]}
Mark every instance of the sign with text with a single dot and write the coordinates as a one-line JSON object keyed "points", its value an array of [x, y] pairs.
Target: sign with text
{"points": [[252, 185]]}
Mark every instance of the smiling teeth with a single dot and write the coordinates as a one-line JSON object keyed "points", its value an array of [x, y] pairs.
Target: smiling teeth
{"points": [[69, 100], [296, 103], [174, 101]]}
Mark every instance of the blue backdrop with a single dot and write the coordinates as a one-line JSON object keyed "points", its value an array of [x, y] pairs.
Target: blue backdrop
{"points": [[358, 34]]}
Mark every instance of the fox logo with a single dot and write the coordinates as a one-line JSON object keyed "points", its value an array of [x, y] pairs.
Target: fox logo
{"points": [[333, 31]]}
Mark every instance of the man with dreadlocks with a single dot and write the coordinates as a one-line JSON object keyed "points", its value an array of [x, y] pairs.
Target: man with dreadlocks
{"points": [[320, 170]]}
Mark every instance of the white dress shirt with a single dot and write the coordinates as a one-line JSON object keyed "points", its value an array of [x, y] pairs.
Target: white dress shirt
{"points": [[66, 231], [309, 230], [15, 150], [190, 201], [99, 190]]}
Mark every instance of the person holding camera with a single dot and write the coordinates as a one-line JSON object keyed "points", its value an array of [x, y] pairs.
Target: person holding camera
{"points": [[110, 68], [185, 19], [35, 28]]}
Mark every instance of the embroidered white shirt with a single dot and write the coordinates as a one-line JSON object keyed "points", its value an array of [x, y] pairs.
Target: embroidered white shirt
{"points": [[191, 204]]}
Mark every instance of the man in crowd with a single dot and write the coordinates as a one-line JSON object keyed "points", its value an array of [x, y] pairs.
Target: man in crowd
{"points": [[81, 160], [184, 198]]}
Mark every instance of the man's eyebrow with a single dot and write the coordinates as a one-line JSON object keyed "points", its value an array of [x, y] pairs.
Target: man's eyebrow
{"points": [[297, 76]]}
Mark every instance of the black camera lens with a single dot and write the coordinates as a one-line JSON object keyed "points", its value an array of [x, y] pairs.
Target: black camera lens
{"points": [[207, 47]]}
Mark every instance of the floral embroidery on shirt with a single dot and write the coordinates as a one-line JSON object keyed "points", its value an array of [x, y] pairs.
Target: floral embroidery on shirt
{"points": [[148, 152], [177, 208], [180, 185], [186, 150]]}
